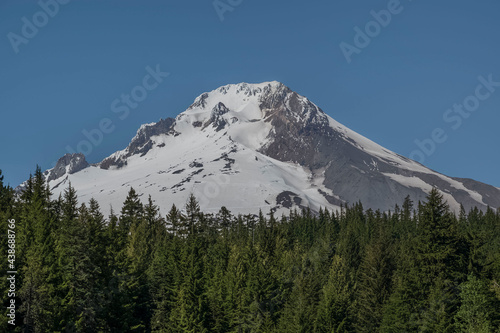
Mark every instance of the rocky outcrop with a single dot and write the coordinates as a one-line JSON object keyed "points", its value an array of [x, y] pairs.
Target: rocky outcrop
{"points": [[216, 117], [68, 164], [141, 144]]}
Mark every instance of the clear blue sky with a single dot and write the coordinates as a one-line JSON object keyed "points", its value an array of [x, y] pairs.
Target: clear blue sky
{"points": [[395, 90]]}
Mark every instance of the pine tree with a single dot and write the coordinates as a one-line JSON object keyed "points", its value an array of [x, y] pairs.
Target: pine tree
{"points": [[224, 218], [440, 251], [334, 306], [36, 246], [237, 299], [262, 290], [163, 276], [374, 282], [155, 226], [192, 215], [175, 225], [144, 234], [89, 276], [431, 267], [478, 311], [299, 311], [116, 300], [408, 224], [6, 197], [6, 205], [131, 213], [190, 310], [216, 263], [77, 309]]}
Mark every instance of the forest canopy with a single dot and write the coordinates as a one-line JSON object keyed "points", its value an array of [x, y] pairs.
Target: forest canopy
{"points": [[418, 268]]}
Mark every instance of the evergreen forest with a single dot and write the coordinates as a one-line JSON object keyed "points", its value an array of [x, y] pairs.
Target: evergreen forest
{"points": [[417, 268]]}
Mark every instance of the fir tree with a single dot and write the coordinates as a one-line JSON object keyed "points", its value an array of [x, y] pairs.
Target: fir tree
{"points": [[192, 215], [131, 213], [75, 268], [374, 282], [175, 225], [190, 310], [299, 311], [478, 311], [164, 277], [334, 306], [144, 235], [36, 246]]}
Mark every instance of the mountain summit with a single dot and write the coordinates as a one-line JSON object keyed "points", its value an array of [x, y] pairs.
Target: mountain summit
{"points": [[259, 146]]}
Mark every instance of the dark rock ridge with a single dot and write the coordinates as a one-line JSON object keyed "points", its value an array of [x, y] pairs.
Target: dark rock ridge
{"points": [[141, 143], [68, 164], [302, 134], [200, 102], [216, 117]]}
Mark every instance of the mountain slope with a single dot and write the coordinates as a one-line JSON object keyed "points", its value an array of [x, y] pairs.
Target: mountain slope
{"points": [[259, 146]]}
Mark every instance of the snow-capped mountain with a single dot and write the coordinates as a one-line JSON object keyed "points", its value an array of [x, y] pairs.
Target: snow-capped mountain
{"points": [[259, 146]]}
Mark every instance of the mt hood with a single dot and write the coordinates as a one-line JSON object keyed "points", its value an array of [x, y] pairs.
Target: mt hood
{"points": [[259, 146]]}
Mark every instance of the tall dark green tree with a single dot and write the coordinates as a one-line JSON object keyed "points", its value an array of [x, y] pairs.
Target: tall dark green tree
{"points": [[116, 299], [164, 277], [174, 221], [299, 311], [237, 299], [75, 269], [6, 197], [190, 311], [333, 313], [433, 266], [6, 213], [192, 215], [374, 280], [145, 233], [36, 244]]}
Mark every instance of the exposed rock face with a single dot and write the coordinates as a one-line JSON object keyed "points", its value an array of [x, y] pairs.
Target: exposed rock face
{"points": [[287, 199], [216, 119], [302, 134], [201, 101], [68, 164], [141, 144]]}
